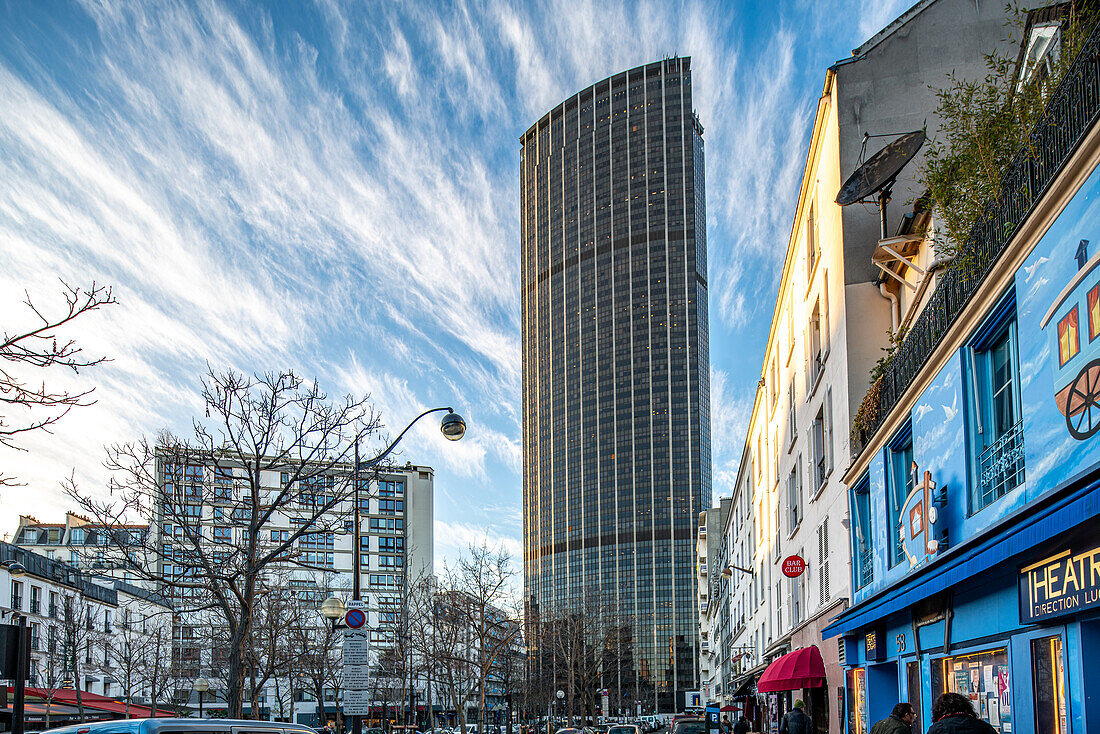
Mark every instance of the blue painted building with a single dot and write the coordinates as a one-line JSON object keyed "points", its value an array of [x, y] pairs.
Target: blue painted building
{"points": [[974, 497]]}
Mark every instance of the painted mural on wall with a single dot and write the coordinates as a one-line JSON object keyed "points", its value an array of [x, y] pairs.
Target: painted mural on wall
{"points": [[1058, 316]]}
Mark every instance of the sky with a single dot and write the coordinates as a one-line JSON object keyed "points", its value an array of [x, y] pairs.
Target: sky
{"points": [[333, 188]]}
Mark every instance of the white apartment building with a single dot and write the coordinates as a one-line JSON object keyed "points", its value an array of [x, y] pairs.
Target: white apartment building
{"points": [[89, 632], [396, 545], [713, 604], [78, 541]]}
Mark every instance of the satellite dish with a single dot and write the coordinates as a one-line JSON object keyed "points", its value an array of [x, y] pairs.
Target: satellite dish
{"points": [[881, 169], [878, 173]]}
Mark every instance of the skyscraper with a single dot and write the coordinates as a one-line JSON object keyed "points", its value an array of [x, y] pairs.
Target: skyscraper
{"points": [[616, 401]]}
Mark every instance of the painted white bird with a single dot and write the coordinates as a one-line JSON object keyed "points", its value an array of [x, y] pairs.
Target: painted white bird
{"points": [[953, 411], [922, 410], [1031, 270]]}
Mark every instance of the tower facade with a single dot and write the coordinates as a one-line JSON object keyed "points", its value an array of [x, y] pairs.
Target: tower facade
{"points": [[616, 400]]}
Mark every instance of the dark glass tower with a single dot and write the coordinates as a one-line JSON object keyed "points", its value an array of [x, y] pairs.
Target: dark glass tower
{"points": [[616, 399]]}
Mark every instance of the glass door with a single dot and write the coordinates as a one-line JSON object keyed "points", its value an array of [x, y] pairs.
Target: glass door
{"points": [[912, 676], [1049, 679]]}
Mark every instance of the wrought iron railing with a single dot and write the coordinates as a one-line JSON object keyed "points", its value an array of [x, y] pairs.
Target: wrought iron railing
{"points": [[1070, 114], [1001, 466], [865, 572]]}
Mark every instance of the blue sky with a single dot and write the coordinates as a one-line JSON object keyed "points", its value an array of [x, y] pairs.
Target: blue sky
{"points": [[333, 187]]}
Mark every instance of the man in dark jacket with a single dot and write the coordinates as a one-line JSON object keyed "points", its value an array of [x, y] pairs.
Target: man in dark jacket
{"points": [[796, 721], [900, 721], [742, 726], [952, 713]]}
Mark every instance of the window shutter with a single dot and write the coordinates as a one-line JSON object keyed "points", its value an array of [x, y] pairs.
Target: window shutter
{"points": [[828, 430], [823, 555]]}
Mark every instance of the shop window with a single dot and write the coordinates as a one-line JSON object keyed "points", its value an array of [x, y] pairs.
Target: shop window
{"points": [[1049, 678], [861, 533], [983, 677], [996, 429], [899, 484]]}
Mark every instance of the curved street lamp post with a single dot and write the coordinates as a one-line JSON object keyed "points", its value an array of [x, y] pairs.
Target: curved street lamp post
{"points": [[453, 427]]}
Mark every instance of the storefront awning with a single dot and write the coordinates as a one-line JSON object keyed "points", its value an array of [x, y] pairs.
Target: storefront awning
{"points": [[1031, 526], [802, 668]]}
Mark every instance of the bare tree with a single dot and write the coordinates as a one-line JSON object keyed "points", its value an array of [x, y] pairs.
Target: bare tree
{"points": [[475, 622], [26, 403], [274, 452]]}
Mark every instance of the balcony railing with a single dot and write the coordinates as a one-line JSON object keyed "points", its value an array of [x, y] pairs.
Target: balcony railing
{"points": [[865, 571], [1001, 466], [17, 602], [1070, 114]]}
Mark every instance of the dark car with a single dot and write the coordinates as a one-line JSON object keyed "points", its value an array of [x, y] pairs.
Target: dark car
{"points": [[693, 725], [199, 726]]}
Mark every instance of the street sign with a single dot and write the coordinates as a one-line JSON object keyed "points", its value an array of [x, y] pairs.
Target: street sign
{"points": [[355, 647], [355, 618], [356, 702], [355, 604], [356, 677]]}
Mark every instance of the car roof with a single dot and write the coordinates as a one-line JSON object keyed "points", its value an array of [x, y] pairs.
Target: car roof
{"points": [[153, 726]]}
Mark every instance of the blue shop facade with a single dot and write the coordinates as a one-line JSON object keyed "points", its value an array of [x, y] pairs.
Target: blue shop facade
{"points": [[974, 509]]}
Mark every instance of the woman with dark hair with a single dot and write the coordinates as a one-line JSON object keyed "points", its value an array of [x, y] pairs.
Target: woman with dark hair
{"points": [[953, 713]]}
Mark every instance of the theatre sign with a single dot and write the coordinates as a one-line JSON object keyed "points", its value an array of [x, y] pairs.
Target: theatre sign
{"points": [[1063, 584]]}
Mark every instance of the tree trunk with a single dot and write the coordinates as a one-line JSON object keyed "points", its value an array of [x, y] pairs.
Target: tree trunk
{"points": [[238, 654]]}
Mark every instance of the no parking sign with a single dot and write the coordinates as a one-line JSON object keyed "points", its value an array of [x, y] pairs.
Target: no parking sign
{"points": [[355, 618]]}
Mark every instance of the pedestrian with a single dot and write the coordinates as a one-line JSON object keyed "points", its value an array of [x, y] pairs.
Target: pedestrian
{"points": [[900, 721], [953, 713], [725, 727], [742, 726], [796, 721]]}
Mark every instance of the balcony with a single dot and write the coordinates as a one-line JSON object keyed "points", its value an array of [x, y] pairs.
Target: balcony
{"points": [[702, 532], [17, 602], [1001, 466], [36, 606], [702, 569], [703, 607], [53, 611], [704, 646], [1070, 114]]}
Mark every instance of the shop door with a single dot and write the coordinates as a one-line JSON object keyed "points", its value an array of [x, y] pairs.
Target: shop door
{"points": [[817, 705], [1049, 678], [912, 679]]}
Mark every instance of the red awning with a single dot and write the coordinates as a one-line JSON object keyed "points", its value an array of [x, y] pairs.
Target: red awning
{"points": [[91, 702], [802, 668], [730, 707]]}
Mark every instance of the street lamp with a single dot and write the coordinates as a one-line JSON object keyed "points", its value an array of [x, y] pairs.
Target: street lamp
{"points": [[332, 609], [201, 686], [727, 572], [15, 568], [453, 428]]}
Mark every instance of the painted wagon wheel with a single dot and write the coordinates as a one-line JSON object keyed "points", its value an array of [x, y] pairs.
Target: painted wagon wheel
{"points": [[1083, 402]]}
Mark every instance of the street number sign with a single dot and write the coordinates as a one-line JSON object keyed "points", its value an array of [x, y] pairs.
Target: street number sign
{"points": [[355, 618], [793, 566]]}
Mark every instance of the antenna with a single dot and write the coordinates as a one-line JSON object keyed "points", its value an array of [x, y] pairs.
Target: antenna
{"points": [[878, 174]]}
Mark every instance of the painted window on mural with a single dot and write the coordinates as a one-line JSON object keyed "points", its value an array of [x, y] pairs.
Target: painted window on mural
{"points": [[983, 677], [1068, 344], [1094, 312]]}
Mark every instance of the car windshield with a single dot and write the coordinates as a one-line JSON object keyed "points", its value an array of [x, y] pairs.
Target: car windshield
{"points": [[622, 730]]}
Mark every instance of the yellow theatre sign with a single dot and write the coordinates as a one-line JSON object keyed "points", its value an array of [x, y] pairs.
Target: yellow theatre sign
{"points": [[1063, 584]]}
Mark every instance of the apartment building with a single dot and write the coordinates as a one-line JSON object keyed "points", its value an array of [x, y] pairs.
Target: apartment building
{"points": [[91, 632], [714, 636], [80, 542], [835, 309], [974, 488]]}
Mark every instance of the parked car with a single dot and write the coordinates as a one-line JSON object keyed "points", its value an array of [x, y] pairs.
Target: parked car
{"points": [[689, 725], [624, 729]]}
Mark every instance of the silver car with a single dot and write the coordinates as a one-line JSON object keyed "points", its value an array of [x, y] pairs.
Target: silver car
{"points": [[183, 726]]}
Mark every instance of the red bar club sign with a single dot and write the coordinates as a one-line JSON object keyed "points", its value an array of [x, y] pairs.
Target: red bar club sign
{"points": [[794, 566]]}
